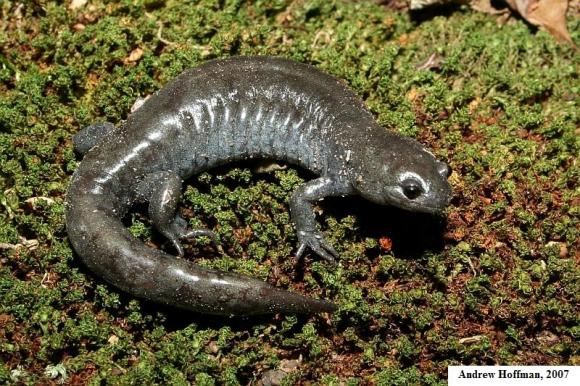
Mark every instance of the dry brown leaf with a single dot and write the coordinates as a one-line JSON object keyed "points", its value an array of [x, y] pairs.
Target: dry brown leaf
{"points": [[135, 55], [420, 4], [113, 340], [485, 6], [550, 14], [432, 62], [138, 103], [33, 201], [471, 339], [76, 4]]}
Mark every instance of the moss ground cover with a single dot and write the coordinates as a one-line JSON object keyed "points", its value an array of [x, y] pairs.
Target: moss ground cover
{"points": [[498, 283]]}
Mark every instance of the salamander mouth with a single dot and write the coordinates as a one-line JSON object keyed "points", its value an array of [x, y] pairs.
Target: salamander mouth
{"points": [[439, 211], [425, 209], [418, 207]]}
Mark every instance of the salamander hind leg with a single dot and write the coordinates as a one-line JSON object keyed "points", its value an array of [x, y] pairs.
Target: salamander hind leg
{"points": [[88, 137], [163, 191]]}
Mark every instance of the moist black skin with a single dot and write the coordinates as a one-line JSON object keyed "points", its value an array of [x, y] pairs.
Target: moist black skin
{"points": [[225, 111]]}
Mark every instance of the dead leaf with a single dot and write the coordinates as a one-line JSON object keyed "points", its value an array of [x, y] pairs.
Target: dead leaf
{"points": [[486, 7], [386, 244], [471, 339], [213, 347], [135, 55], [432, 62], [76, 4], [420, 4], [31, 244], [550, 14], [266, 166], [113, 340], [33, 202], [138, 103]]}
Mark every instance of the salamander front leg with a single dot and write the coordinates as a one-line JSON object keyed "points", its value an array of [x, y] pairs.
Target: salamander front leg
{"points": [[163, 191], [303, 215]]}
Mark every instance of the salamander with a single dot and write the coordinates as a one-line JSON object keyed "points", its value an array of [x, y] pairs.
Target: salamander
{"points": [[220, 112]]}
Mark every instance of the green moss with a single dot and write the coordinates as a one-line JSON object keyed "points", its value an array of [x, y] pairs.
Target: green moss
{"points": [[501, 108]]}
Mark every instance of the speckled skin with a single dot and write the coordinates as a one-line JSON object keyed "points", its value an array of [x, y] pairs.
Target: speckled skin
{"points": [[224, 111]]}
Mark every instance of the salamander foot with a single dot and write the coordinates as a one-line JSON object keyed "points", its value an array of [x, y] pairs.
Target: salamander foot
{"points": [[316, 242], [179, 230]]}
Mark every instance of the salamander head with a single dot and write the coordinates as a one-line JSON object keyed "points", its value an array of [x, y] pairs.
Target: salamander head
{"points": [[403, 174]]}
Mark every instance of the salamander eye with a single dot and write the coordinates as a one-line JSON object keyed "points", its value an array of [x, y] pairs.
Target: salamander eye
{"points": [[411, 188]]}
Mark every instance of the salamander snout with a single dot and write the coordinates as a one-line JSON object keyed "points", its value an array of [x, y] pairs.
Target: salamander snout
{"points": [[402, 173], [420, 185], [444, 169]]}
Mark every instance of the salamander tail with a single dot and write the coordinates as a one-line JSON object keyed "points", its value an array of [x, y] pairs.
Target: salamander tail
{"points": [[110, 251]]}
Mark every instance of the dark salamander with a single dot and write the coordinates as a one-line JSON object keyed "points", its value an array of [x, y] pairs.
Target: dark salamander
{"points": [[224, 111]]}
